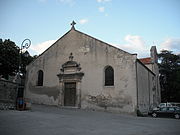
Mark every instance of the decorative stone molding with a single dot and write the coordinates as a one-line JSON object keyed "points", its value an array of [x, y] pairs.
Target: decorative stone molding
{"points": [[70, 72]]}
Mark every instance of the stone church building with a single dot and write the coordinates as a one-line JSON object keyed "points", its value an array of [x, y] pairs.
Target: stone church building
{"points": [[81, 71]]}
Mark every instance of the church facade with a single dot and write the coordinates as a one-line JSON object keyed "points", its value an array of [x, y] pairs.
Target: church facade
{"points": [[83, 72]]}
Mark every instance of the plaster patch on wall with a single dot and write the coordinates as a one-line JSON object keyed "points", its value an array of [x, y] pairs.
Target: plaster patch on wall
{"points": [[42, 99], [49, 91], [84, 49], [99, 100], [107, 101]]}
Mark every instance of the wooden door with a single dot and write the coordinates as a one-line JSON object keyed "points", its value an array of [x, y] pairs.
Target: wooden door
{"points": [[70, 94]]}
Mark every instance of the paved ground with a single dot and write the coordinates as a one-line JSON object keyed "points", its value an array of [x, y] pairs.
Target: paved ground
{"points": [[45, 120]]}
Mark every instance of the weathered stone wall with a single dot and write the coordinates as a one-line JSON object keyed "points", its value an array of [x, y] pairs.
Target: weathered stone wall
{"points": [[155, 69], [93, 56], [156, 90], [145, 88], [8, 94], [153, 66], [150, 66]]}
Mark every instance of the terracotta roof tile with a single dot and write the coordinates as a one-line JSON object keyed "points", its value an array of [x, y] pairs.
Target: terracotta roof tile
{"points": [[146, 60]]}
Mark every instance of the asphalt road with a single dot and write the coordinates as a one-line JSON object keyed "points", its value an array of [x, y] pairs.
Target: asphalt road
{"points": [[46, 120]]}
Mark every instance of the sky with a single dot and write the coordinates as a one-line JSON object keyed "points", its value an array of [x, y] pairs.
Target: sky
{"points": [[131, 25]]}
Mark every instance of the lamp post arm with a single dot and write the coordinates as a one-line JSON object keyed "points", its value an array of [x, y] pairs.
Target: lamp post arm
{"points": [[24, 45]]}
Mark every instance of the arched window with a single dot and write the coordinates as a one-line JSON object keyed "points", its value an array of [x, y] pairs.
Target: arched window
{"points": [[109, 76], [40, 78]]}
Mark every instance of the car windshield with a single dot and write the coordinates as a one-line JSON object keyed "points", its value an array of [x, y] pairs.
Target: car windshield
{"points": [[164, 109], [162, 104], [171, 109], [165, 105]]}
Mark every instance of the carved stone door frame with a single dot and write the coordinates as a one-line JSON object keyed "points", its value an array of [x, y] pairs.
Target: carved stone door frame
{"points": [[70, 73], [62, 93]]}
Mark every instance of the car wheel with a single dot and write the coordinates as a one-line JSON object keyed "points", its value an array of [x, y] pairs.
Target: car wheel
{"points": [[154, 115], [177, 116]]}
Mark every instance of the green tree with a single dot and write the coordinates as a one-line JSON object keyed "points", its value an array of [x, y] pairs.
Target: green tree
{"points": [[25, 60], [9, 58], [169, 76]]}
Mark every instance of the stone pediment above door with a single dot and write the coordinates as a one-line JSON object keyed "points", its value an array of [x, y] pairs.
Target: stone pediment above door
{"points": [[70, 71]]}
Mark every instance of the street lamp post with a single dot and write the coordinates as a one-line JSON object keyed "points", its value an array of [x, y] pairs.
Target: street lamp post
{"points": [[20, 101], [24, 45]]}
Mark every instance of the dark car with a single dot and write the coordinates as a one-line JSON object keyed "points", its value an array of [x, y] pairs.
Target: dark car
{"points": [[166, 112]]}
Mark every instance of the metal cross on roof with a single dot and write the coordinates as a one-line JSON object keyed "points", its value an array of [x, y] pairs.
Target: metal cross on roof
{"points": [[73, 23]]}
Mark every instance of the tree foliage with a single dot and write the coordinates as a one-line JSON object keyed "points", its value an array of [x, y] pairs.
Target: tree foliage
{"points": [[169, 76], [25, 60], [10, 59]]}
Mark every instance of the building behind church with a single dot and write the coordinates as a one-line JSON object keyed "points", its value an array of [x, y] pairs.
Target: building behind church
{"points": [[83, 72]]}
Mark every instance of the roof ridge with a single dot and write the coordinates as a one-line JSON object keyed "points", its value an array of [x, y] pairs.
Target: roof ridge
{"points": [[80, 33], [146, 60], [102, 41], [50, 46]]}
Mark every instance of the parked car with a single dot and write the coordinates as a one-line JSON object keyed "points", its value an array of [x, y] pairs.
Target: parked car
{"points": [[165, 105], [166, 112], [162, 105], [175, 104]]}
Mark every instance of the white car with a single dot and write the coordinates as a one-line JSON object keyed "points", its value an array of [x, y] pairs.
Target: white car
{"points": [[161, 105], [165, 105]]}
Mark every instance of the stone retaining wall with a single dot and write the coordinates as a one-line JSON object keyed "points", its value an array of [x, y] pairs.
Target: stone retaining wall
{"points": [[8, 94]]}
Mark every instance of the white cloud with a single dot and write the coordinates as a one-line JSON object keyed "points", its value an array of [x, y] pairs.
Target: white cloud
{"points": [[83, 21], [103, 1], [135, 41], [171, 44], [41, 47], [106, 14], [101, 9], [134, 44]]}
